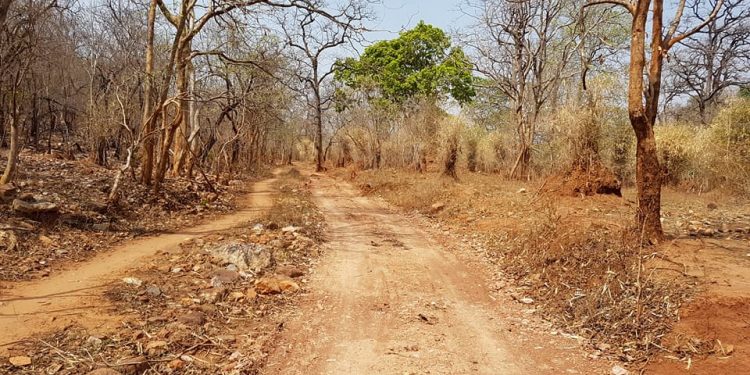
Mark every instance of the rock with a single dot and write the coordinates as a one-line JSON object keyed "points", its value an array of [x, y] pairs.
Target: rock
{"points": [[247, 257], [20, 361], [34, 208], [290, 229], [8, 240], [8, 193], [193, 318], [134, 365], [102, 227], [104, 371], [258, 228], [522, 191], [437, 207], [288, 286], [153, 291], [236, 296], [46, 241], [134, 281], [267, 285], [94, 341], [224, 277], [276, 284], [618, 370], [526, 300], [176, 364], [155, 348], [251, 294], [214, 295], [98, 207], [289, 271]]}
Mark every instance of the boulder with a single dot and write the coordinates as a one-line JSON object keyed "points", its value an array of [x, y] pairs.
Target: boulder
{"points": [[247, 257]]}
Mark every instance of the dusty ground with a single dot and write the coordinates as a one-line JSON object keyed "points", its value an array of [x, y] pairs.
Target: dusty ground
{"points": [[35, 247], [390, 292], [705, 263], [75, 294], [389, 298]]}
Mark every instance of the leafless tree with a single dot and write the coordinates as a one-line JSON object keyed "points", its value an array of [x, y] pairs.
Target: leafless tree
{"points": [[523, 48], [312, 37], [713, 59]]}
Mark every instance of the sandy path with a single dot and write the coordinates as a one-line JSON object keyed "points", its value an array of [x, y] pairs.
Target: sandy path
{"points": [[34, 307], [387, 298]]}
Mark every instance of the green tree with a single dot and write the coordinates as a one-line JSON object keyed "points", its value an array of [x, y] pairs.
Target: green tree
{"points": [[419, 63]]}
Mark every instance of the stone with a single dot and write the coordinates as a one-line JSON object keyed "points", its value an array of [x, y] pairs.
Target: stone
{"points": [[155, 348], [289, 271], [8, 193], [102, 227], [251, 294], [134, 281], [224, 277], [46, 241], [526, 300], [275, 285], [153, 291], [20, 361], [437, 207], [34, 208], [134, 365], [247, 257], [619, 370], [236, 296], [104, 371], [267, 285], [288, 286], [522, 191], [214, 295], [290, 229], [193, 318]]}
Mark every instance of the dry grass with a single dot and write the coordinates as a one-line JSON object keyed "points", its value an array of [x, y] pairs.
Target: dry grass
{"points": [[569, 254]]}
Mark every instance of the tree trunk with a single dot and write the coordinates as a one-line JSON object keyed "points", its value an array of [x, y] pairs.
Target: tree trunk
{"points": [[10, 168], [648, 169], [147, 155]]}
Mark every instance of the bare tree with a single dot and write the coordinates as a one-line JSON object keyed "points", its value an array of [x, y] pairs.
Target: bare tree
{"points": [[713, 59], [312, 36], [644, 88], [523, 48]]}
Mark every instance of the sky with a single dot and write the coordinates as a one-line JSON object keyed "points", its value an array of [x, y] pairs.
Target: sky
{"points": [[396, 15]]}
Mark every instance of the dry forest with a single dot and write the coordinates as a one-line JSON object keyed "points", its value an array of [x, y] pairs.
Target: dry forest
{"points": [[374, 187]]}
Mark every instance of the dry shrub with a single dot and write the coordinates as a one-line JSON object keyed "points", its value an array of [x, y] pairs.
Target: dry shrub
{"points": [[589, 280], [493, 152], [706, 158], [729, 139], [409, 191], [450, 144]]}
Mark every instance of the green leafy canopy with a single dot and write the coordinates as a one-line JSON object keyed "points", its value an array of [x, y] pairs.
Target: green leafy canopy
{"points": [[419, 63]]}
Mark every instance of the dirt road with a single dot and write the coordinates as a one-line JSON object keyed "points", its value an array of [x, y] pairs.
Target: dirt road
{"points": [[74, 295], [387, 298]]}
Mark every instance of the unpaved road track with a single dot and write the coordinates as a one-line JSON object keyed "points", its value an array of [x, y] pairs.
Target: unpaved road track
{"points": [[387, 298], [74, 295]]}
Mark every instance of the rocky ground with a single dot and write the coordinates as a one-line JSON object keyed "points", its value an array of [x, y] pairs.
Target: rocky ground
{"points": [[204, 308], [56, 212]]}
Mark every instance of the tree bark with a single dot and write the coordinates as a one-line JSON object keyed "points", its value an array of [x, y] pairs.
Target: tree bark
{"points": [[147, 155]]}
